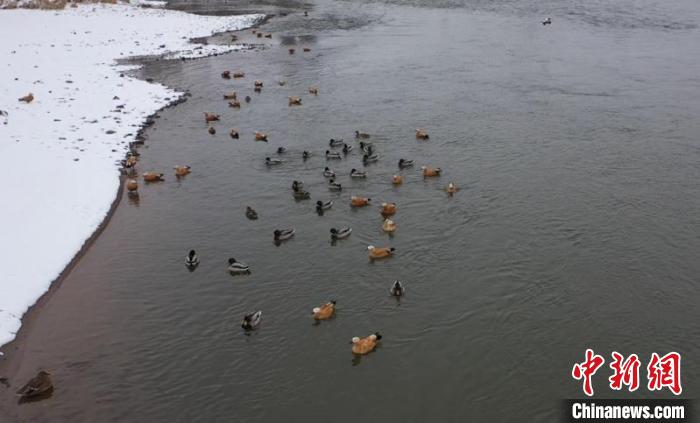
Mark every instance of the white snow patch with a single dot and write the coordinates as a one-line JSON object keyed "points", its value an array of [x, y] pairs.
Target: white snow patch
{"points": [[52, 203]]}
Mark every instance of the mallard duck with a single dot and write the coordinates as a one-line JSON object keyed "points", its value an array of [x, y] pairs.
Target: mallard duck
{"points": [[153, 177], [27, 98], [430, 171], [451, 188], [257, 83], [380, 253], [421, 134], [132, 185], [369, 158], [359, 134], [328, 173], [250, 213], [182, 170], [252, 320], [397, 180], [335, 143], [388, 209], [332, 155], [281, 150], [191, 260], [212, 130], [233, 133], [324, 312], [247, 99], [341, 233], [230, 96], [397, 289], [354, 173], [294, 101], [366, 345], [389, 226], [272, 162], [321, 206], [235, 104], [334, 186], [347, 148], [283, 234], [236, 267], [313, 90], [359, 201], [39, 385], [260, 136], [403, 163], [366, 147], [210, 117], [226, 74], [300, 194], [297, 185], [547, 21], [238, 75]]}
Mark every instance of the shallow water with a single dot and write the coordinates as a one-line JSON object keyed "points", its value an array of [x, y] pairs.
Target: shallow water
{"points": [[576, 226]]}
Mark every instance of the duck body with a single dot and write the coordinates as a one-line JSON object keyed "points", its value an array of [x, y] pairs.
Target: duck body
{"points": [[233, 133], [328, 173], [272, 162], [397, 289], [153, 177], [429, 172], [226, 74], [380, 253], [132, 185], [260, 136], [230, 96], [313, 90], [321, 206], [182, 170], [362, 135], [235, 104], [305, 155], [359, 201], [27, 98], [283, 234], [362, 346], [388, 209], [421, 134], [297, 185], [547, 21], [300, 194], [403, 163], [397, 180], [258, 83], [252, 320], [39, 385], [451, 188], [239, 75], [389, 226], [334, 186], [369, 158], [212, 130], [335, 143], [294, 101], [341, 233], [281, 150], [347, 148], [236, 267], [354, 173], [325, 312], [250, 213], [191, 260], [210, 117], [332, 155]]}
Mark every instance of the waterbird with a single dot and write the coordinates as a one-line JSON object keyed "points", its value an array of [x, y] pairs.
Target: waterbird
{"points": [[430, 171], [153, 177], [234, 104], [321, 206], [250, 213], [421, 134], [359, 134], [236, 267], [366, 345], [367, 158], [210, 117], [212, 130], [380, 252], [388, 209], [397, 289], [389, 226], [297, 185], [38, 385], [230, 96], [252, 320], [283, 234], [281, 150], [132, 185], [332, 155], [354, 173], [359, 201], [27, 98], [328, 173], [334, 186], [226, 74], [238, 75], [397, 179], [260, 136], [325, 312], [272, 162], [294, 101], [313, 90], [182, 170], [547, 21], [341, 233], [404, 163], [191, 260], [233, 133], [335, 143], [347, 148], [451, 188]]}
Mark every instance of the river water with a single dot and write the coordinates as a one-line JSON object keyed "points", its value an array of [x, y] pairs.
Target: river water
{"points": [[577, 225]]}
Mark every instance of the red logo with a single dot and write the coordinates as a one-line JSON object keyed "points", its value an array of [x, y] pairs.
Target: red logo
{"points": [[665, 372], [587, 369], [625, 372]]}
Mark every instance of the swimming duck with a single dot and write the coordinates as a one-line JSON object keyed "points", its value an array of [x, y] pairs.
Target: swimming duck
{"points": [[313, 90], [397, 180], [294, 101], [268, 35], [212, 130], [272, 162], [27, 98], [238, 75], [354, 173], [283, 234], [366, 345], [235, 104], [210, 117], [335, 143], [347, 148], [260, 34], [182, 170], [132, 185], [451, 188], [321, 206], [421, 134], [236, 267], [305, 155], [328, 173], [388, 209], [153, 177], [324, 312], [233, 133], [226, 74], [430, 171], [250, 213], [230, 96], [252, 320], [282, 83], [38, 385], [380, 253], [281, 150], [366, 147], [300, 194], [389, 226], [359, 201], [332, 156], [257, 89], [191, 260], [547, 21], [306, 49], [369, 158], [247, 99], [341, 233], [291, 51], [334, 186], [297, 185], [258, 83], [403, 163], [359, 134], [397, 289], [260, 136]]}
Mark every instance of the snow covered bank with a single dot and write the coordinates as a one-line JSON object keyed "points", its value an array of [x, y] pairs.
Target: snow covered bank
{"points": [[60, 150]]}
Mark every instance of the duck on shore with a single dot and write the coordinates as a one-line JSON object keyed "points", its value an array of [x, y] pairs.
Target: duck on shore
{"points": [[325, 312], [252, 320], [191, 260], [236, 267], [361, 346], [40, 384], [27, 98], [380, 252], [341, 233]]}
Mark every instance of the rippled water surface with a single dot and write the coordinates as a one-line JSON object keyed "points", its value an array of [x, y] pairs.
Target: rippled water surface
{"points": [[577, 224]]}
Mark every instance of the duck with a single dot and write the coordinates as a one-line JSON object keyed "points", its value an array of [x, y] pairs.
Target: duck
{"points": [[260, 34], [268, 35], [306, 49], [354, 173], [366, 147], [182, 170], [258, 83], [283, 234], [324, 312], [250, 213], [252, 320], [230, 96], [236, 267], [291, 51], [257, 89], [451, 188], [341, 233], [153, 177], [397, 289], [361, 346], [359, 201], [282, 83], [260, 136], [369, 158], [397, 179], [328, 173], [233, 133], [305, 155], [321, 206], [247, 99], [380, 253], [332, 156], [273, 162], [212, 130], [132, 185], [210, 117], [404, 163], [388, 209], [27, 98], [294, 101], [234, 104], [335, 143], [389, 226], [547, 21], [347, 148], [313, 90], [430, 171], [359, 134], [239, 75], [334, 186], [226, 74], [38, 385], [191, 260], [297, 185], [421, 134], [300, 194], [281, 150]]}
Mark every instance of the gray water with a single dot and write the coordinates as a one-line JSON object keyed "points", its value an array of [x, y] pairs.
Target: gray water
{"points": [[575, 146]]}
